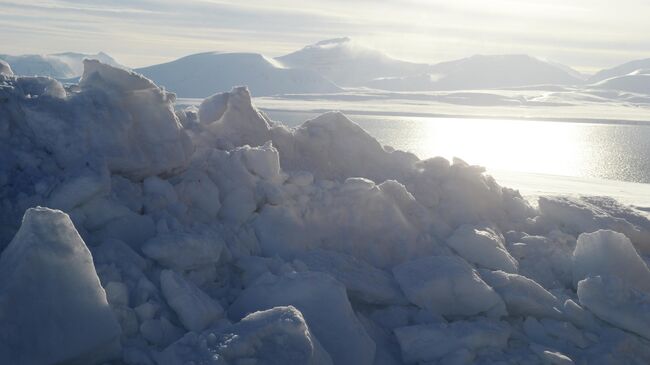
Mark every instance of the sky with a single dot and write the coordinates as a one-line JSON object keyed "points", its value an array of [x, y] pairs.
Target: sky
{"points": [[586, 34]]}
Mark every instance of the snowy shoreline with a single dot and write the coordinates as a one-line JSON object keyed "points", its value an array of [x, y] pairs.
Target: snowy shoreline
{"points": [[452, 116], [134, 233], [532, 186]]}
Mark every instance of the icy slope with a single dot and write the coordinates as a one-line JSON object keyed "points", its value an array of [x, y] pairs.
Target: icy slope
{"points": [[60, 65], [220, 237], [201, 75], [349, 63]]}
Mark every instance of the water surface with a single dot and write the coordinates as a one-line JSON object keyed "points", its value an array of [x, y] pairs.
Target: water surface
{"points": [[616, 151]]}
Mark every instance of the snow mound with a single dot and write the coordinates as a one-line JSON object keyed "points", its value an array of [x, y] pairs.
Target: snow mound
{"points": [[276, 336], [447, 285], [52, 307], [203, 74], [325, 306], [106, 120], [334, 137]]}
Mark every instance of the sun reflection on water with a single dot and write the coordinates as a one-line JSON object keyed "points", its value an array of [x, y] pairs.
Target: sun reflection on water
{"points": [[610, 151], [500, 144]]}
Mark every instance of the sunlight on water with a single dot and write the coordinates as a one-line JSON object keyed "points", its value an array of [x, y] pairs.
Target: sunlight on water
{"points": [[610, 151], [498, 144]]}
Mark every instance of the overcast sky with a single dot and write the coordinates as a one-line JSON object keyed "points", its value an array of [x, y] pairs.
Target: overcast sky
{"points": [[585, 34]]}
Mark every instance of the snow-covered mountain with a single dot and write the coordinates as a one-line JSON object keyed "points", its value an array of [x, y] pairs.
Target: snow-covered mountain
{"points": [[620, 70], [60, 65], [203, 74], [637, 82], [348, 63], [483, 72]]}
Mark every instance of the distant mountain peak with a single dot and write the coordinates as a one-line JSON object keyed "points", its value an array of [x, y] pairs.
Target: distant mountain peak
{"points": [[513, 56], [64, 65], [333, 41], [349, 63], [203, 74], [620, 70]]}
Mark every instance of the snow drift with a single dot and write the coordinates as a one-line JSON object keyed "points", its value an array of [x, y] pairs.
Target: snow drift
{"points": [[223, 237]]}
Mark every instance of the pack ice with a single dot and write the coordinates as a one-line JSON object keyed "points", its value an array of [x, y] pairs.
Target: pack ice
{"points": [[134, 233]]}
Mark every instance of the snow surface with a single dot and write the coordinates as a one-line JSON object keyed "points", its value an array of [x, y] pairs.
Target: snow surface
{"points": [[215, 235]]}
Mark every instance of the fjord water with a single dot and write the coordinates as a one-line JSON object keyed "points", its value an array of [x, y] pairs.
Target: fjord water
{"points": [[615, 151]]}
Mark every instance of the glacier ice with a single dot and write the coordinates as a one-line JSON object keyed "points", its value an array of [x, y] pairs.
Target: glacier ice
{"points": [[225, 237]]}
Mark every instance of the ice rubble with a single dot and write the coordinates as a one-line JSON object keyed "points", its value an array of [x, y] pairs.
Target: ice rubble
{"points": [[223, 237]]}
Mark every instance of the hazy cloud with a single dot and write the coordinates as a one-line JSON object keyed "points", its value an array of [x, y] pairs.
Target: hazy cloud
{"points": [[583, 34]]}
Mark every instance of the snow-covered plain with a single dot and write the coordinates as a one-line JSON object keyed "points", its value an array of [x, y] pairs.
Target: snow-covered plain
{"points": [[216, 236]]}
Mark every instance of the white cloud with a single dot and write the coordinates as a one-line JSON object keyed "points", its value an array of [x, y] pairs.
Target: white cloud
{"points": [[584, 34]]}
